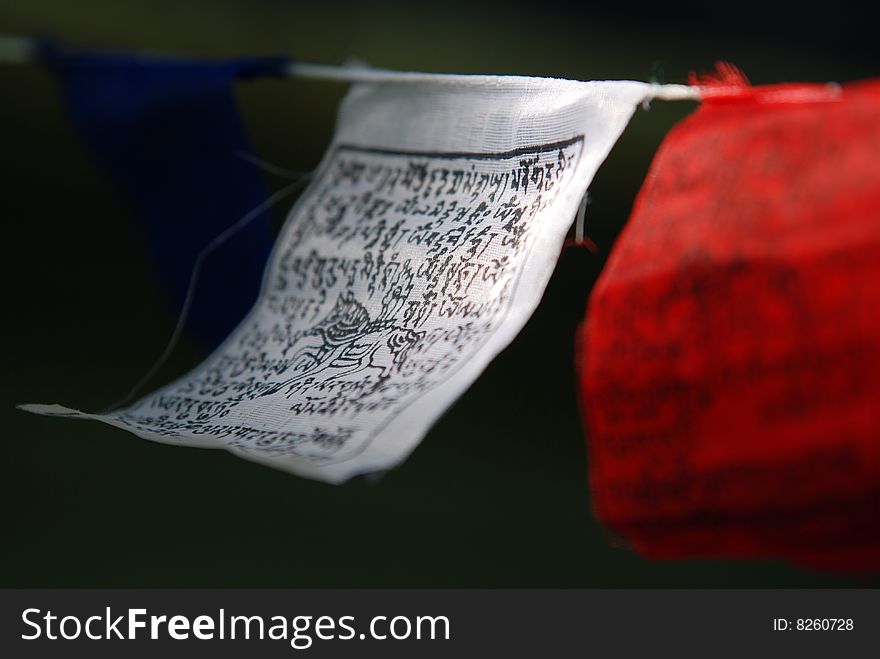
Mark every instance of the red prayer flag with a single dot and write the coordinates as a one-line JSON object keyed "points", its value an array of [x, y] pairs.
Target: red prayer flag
{"points": [[729, 358]]}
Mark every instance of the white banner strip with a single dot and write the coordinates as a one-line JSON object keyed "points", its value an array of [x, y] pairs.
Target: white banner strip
{"points": [[420, 249]]}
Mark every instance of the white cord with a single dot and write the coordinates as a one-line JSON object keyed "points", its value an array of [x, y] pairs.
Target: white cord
{"points": [[19, 50]]}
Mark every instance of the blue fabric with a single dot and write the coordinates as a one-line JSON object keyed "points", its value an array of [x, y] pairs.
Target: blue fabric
{"points": [[167, 132]]}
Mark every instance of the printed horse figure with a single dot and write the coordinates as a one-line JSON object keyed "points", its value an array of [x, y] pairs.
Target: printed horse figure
{"points": [[347, 341]]}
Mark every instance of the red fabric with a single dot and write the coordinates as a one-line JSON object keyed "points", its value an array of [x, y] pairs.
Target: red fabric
{"points": [[729, 361]]}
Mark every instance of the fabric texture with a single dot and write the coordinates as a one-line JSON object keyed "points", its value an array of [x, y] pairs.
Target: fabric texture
{"points": [[729, 356]]}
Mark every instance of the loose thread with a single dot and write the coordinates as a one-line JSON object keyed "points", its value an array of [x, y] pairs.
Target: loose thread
{"points": [[216, 242], [580, 238]]}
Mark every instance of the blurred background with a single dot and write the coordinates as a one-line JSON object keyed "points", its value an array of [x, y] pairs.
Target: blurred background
{"points": [[496, 494]]}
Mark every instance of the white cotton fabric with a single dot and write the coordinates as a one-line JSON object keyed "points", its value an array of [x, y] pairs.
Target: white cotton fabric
{"points": [[418, 252]]}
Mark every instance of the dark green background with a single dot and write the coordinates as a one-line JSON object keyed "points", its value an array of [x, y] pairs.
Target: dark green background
{"points": [[496, 493]]}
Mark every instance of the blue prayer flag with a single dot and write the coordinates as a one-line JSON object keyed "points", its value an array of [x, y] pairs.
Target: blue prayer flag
{"points": [[168, 133]]}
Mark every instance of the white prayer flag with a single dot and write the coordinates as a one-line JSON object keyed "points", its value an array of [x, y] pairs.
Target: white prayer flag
{"points": [[420, 249]]}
